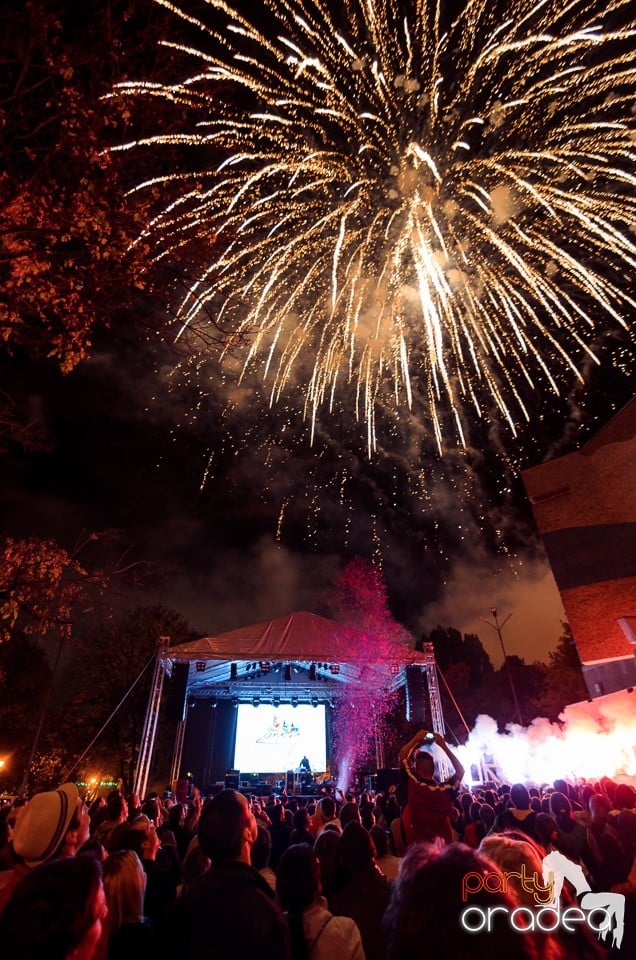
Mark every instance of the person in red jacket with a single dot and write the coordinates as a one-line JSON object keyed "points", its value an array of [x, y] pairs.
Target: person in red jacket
{"points": [[427, 812]]}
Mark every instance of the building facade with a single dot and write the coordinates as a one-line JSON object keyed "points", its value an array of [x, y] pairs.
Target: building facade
{"points": [[585, 508]]}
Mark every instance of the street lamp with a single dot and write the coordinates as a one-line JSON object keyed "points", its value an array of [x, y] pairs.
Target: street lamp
{"points": [[498, 627]]}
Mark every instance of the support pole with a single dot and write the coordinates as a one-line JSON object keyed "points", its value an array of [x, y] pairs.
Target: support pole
{"points": [[178, 747], [147, 744], [379, 744], [498, 627]]}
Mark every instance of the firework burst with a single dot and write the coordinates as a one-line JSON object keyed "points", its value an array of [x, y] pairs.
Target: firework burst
{"points": [[404, 203]]}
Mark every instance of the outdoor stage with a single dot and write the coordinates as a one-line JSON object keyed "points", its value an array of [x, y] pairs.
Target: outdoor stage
{"points": [[270, 689]]}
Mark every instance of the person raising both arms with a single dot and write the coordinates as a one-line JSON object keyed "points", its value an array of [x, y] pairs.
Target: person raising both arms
{"points": [[427, 812]]}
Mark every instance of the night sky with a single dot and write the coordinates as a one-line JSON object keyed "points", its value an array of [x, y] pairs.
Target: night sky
{"points": [[241, 518]]}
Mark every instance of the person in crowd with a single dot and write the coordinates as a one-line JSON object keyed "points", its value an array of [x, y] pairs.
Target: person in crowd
{"points": [[194, 810], [116, 815], [610, 863], [154, 810], [487, 817], [193, 867], [98, 811], [280, 834], [349, 813], [516, 859], [229, 913], [6, 832], [465, 801], [386, 861], [622, 819], [53, 824], [518, 815], [547, 832], [397, 837], [474, 830], [427, 900], [584, 815], [326, 850], [261, 852], [391, 806], [367, 811], [300, 833], [168, 854], [426, 815], [161, 885], [56, 912], [572, 835], [365, 891], [378, 810], [126, 936], [259, 812], [315, 932], [325, 814], [134, 806]]}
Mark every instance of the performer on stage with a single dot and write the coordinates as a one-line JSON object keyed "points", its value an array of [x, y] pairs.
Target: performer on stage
{"points": [[304, 772]]}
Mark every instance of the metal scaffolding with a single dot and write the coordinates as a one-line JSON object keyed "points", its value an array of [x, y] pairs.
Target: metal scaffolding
{"points": [[435, 701], [147, 745]]}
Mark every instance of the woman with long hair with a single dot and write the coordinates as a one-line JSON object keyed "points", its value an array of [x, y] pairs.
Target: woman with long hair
{"points": [[125, 932]]}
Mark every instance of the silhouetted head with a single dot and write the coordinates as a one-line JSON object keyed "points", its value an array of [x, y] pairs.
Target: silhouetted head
{"points": [[520, 796], [424, 765]]}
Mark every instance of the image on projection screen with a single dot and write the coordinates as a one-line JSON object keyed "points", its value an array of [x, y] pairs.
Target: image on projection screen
{"points": [[274, 739]]}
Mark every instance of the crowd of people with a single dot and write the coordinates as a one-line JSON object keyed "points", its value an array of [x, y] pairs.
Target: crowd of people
{"points": [[381, 876]]}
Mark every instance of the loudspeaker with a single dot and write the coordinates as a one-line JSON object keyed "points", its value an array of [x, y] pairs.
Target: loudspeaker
{"points": [[387, 777], [290, 782], [232, 778], [415, 699]]}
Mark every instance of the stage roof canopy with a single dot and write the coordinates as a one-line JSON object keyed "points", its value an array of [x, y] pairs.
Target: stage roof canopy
{"points": [[299, 655]]}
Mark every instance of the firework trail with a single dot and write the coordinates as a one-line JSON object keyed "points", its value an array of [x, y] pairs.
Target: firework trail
{"points": [[403, 205]]}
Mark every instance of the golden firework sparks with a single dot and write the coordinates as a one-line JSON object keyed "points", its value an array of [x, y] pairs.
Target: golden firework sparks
{"points": [[401, 204]]}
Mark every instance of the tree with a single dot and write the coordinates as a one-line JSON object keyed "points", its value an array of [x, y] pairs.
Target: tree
{"points": [[118, 653], [24, 679], [564, 681], [65, 259], [44, 588]]}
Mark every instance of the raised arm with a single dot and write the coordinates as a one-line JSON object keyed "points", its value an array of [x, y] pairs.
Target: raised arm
{"points": [[457, 766], [413, 744]]}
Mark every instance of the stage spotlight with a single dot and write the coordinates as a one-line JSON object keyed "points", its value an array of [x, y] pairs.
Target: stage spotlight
{"points": [[314, 702], [234, 702], [213, 702], [294, 701], [192, 704], [200, 666], [276, 702], [335, 668], [265, 666], [256, 702], [312, 672]]}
